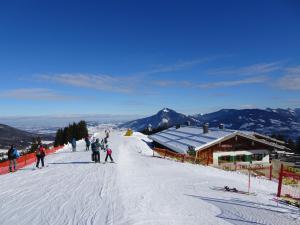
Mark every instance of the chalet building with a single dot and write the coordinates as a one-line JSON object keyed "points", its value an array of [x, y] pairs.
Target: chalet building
{"points": [[219, 145]]}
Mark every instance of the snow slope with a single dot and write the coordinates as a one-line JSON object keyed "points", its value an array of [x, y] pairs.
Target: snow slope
{"points": [[138, 189]]}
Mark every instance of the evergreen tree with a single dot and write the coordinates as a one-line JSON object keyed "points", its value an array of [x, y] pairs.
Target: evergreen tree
{"points": [[191, 151], [66, 135], [298, 146], [74, 130], [291, 144]]}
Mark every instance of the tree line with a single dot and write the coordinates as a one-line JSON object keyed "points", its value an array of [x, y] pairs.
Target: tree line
{"points": [[66, 134], [289, 143]]}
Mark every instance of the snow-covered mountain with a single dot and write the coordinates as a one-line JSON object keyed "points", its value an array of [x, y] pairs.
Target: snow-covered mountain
{"points": [[165, 117], [265, 121], [20, 138]]}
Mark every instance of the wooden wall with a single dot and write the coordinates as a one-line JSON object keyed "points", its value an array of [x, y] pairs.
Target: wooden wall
{"points": [[233, 144]]}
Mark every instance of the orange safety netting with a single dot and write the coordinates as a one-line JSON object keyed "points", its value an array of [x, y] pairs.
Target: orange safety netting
{"points": [[25, 160]]}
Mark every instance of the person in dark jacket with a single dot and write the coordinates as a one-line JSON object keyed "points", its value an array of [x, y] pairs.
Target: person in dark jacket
{"points": [[96, 151], [73, 142], [12, 157], [40, 155], [87, 144]]}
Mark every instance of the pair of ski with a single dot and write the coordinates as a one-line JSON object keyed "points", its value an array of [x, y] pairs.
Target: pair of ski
{"points": [[232, 190], [288, 202], [35, 168]]}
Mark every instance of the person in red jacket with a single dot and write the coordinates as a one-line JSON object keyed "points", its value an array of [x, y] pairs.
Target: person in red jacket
{"points": [[108, 154], [40, 155]]}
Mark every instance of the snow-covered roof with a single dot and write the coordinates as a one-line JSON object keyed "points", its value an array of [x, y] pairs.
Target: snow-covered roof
{"points": [[180, 139]]}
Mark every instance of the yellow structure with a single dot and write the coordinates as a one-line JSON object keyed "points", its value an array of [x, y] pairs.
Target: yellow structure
{"points": [[129, 132]]}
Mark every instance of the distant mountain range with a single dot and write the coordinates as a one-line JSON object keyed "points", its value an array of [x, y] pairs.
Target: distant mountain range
{"points": [[21, 139], [165, 117], [265, 121]]}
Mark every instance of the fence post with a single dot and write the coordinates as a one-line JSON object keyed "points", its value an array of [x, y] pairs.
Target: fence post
{"points": [[165, 153], [271, 168], [182, 158], [249, 179], [280, 181]]}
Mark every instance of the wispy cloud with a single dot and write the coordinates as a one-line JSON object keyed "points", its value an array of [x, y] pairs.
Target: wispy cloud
{"points": [[100, 82], [255, 69], [180, 65], [210, 85], [291, 80], [232, 83], [34, 94]]}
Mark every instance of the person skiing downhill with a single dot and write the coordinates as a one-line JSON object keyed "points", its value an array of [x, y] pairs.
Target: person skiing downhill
{"points": [[13, 154], [108, 154], [40, 155], [73, 142], [96, 151], [87, 143]]}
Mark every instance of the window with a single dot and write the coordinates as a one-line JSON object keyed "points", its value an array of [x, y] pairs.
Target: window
{"points": [[257, 157]]}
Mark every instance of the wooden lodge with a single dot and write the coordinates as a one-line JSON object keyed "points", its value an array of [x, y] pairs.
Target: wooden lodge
{"points": [[219, 145]]}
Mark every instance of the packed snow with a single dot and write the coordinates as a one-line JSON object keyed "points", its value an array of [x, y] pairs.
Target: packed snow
{"points": [[137, 189]]}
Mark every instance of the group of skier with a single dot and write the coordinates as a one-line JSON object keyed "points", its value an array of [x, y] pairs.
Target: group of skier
{"points": [[13, 154], [40, 153], [97, 146]]}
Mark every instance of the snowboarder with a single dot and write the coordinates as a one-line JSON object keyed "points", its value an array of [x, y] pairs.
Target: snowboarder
{"points": [[73, 142], [40, 155], [87, 143], [108, 154], [96, 151], [13, 154]]}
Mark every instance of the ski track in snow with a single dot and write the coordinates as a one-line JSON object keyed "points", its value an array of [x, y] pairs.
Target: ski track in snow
{"points": [[139, 189]]}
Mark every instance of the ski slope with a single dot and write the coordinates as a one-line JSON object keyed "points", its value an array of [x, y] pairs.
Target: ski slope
{"points": [[138, 189]]}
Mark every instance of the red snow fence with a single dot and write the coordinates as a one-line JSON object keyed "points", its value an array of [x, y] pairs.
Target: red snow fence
{"points": [[257, 170], [289, 182], [25, 160]]}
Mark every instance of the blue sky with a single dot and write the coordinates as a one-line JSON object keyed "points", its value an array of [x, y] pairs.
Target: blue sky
{"points": [[136, 57]]}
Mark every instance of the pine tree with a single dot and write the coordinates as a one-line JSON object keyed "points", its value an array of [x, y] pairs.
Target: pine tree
{"points": [[66, 135], [298, 146], [291, 144], [191, 151]]}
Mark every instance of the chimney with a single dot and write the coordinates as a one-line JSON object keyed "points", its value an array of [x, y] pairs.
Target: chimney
{"points": [[221, 126], [205, 128]]}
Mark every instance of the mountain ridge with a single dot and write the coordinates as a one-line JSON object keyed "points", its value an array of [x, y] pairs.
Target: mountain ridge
{"points": [[20, 138], [266, 121]]}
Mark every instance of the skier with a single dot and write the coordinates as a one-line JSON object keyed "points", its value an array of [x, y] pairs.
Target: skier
{"points": [[105, 140], [108, 154], [87, 143], [40, 155], [107, 133], [73, 142], [96, 151], [13, 154]]}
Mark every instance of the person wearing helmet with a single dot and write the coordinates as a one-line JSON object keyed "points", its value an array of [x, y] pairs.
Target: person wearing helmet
{"points": [[13, 154], [40, 155], [87, 143], [96, 151], [108, 154]]}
